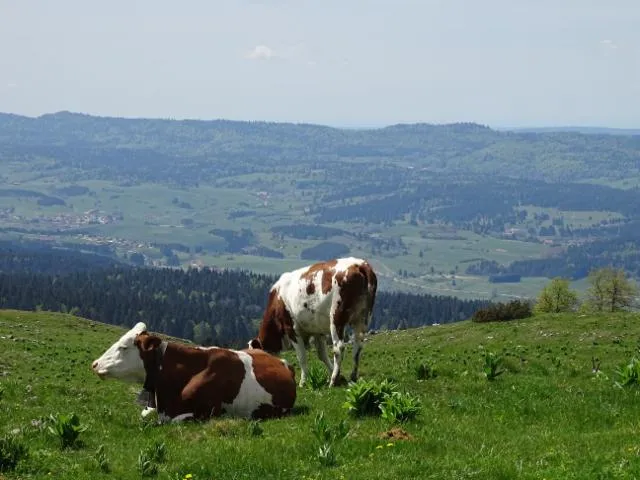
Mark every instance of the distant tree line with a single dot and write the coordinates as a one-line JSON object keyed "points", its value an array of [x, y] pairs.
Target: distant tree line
{"points": [[49, 259], [216, 307]]}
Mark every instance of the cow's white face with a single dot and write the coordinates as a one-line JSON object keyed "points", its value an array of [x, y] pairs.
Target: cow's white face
{"points": [[122, 359]]}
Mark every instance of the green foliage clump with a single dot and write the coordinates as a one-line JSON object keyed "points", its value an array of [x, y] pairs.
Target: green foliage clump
{"points": [[364, 397], [328, 436], [255, 429], [317, 376], [400, 407], [556, 297], [67, 428], [150, 458], [492, 364], [502, 312], [101, 459], [367, 397], [424, 371], [12, 451], [629, 374]]}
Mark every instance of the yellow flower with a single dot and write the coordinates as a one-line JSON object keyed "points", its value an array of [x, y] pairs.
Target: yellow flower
{"points": [[389, 444], [187, 476], [379, 446]]}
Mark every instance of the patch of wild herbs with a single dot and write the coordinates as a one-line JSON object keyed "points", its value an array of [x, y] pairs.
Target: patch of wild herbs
{"points": [[67, 428], [12, 451], [328, 436], [317, 377], [364, 397]]}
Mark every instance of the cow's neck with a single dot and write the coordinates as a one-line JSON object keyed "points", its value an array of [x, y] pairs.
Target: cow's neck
{"points": [[149, 393]]}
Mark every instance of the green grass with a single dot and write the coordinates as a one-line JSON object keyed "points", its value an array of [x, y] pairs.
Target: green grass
{"points": [[547, 416]]}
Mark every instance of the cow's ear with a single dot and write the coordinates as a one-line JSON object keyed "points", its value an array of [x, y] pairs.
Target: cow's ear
{"points": [[255, 343], [146, 342]]}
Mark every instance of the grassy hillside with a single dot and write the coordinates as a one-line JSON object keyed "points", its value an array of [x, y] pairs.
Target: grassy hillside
{"points": [[546, 416]]}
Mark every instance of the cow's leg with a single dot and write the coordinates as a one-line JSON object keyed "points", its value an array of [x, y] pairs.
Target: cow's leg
{"points": [[358, 339], [321, 347], [337, 337], [301, 353]]}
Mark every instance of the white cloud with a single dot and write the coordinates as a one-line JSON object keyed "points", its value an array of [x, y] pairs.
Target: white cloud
{"points": [[12, 85], [295, 54], [261, 52], [609, 44]]}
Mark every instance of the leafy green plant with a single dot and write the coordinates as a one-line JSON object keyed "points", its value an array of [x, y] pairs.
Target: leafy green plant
{"points": [[317, 377], [101, 459], [12, 451], [400, 407], [629, 374], [492, 364], [328, 436], [424, 371], [255, 429], [146, 465], [157, 452], [365, 396], [67, 428]]}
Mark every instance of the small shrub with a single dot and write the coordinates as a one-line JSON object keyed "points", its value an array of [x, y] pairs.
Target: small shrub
{"points": [[67, 428], [400, 407], [327, 437], [12, 451], [492, 364], [502, 312], [365, 396], [101, 459], [318, 376]]}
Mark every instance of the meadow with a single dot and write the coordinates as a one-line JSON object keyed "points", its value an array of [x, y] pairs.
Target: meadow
{"points": [[532, 399]]}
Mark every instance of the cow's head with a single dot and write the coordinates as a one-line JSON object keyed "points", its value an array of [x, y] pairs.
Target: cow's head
{"points": [[122, 359], [276, 327]]}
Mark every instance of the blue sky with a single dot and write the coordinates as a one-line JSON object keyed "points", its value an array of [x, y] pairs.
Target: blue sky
{"points": [[346, 63]]}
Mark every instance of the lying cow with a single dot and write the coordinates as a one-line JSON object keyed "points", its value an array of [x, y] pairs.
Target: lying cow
{"points": [[315, 301], [189, 381]]}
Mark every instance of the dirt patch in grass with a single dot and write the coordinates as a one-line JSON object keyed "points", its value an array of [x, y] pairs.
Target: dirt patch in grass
{"points": [[396, 434]]}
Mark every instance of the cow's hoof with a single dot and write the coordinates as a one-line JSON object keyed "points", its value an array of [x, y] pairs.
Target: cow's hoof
{"points": [[149, 412], [339, 382]]}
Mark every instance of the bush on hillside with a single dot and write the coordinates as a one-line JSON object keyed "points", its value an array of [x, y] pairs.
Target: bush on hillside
{"points": [[502, 312], [556, 297]]}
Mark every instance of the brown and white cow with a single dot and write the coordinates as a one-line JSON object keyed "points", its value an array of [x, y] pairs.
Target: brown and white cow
{"points": [[183, 381], [315, 301]]}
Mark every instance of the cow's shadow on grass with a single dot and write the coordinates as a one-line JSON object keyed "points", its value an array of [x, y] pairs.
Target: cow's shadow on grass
{"points": [[299, 410]]}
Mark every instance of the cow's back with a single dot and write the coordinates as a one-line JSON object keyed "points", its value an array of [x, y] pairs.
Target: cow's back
{"points": [[268, 388], [309, 292]]}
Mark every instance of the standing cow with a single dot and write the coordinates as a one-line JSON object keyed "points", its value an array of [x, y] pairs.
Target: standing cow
{"points": [[315, 301], [184, 381]]}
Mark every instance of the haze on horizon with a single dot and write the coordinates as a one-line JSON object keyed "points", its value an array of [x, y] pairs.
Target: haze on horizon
{"points": [[356, 63]]}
